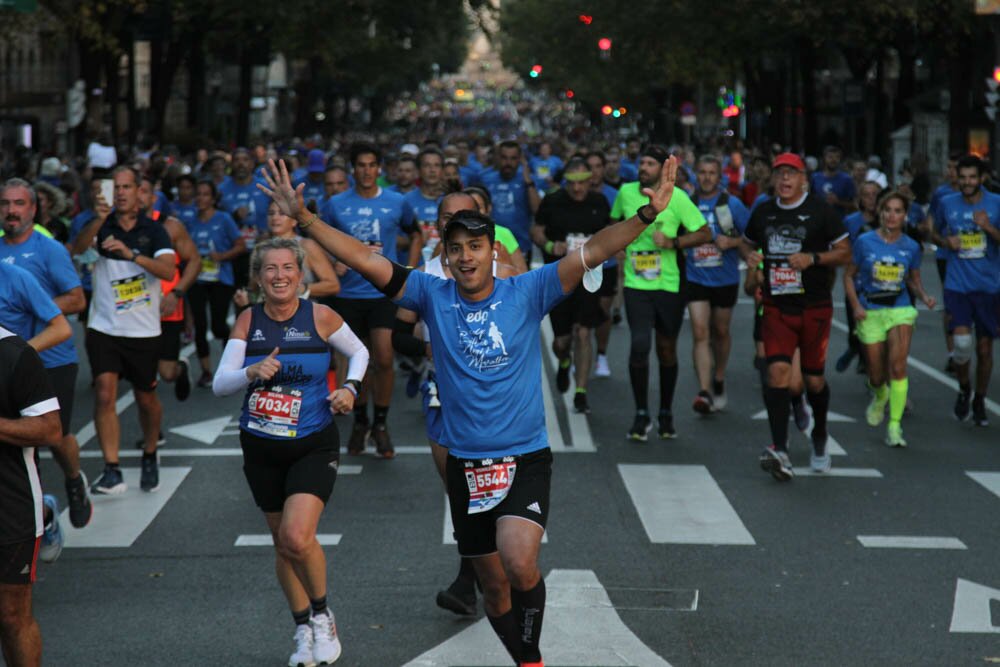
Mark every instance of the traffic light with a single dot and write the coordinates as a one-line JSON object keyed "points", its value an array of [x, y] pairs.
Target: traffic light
{"points": [[569, 93], [996, 74], [606, 110], [604, 44], [586, 19], [536, 70]]}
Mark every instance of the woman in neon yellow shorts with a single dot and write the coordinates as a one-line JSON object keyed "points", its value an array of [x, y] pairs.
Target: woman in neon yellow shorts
{"points": [[878, 284]]}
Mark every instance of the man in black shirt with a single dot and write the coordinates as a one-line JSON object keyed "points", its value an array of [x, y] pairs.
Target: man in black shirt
{"points": [[802, 240], [29, 418], [566, 219]]}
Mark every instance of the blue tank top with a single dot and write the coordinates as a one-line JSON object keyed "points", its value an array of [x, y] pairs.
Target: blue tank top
{"points": [[293, 404]]}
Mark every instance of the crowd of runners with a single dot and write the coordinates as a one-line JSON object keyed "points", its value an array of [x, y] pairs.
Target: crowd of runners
{"points": [[320, 271]]}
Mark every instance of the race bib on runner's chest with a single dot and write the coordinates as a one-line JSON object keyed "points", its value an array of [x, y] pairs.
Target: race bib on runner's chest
{"points": [[973, 245], [209, 271], [707, 256], [646, 264], [887, 277], [275, 411], [575, 241], [131, 293], [785, 280], [489, 482]]}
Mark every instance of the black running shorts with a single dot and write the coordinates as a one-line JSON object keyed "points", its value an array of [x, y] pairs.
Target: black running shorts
{"points": [[18, 561], [528, 498], [277, 469]]}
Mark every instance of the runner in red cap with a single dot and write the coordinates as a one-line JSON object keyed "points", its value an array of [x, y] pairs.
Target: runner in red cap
{"points": [[803, 240]]}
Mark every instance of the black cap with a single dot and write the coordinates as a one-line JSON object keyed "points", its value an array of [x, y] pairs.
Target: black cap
{"points": [[475, 222], [657, 152]]}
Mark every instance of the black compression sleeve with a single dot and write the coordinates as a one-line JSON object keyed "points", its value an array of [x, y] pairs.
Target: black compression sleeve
{"points": [[396, 282]]}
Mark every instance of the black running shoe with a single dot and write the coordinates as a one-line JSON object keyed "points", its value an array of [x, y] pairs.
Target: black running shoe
{"points": [[562, 378], [182, 385], [80, 508], [640, 427], [979, 417], [962, 406], [149, 478], [666, 430], [459, 598], [580, 403]]}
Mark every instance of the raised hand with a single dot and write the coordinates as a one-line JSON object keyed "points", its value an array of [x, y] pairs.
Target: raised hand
{"points": [[279, 188], [659, 198], [266, 368]]}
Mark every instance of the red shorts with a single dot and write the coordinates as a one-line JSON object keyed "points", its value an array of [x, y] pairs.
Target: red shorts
{"points": [[809, 331]]}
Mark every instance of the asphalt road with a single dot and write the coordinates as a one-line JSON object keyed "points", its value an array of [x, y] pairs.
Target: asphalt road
{"points": [[675, 552]]}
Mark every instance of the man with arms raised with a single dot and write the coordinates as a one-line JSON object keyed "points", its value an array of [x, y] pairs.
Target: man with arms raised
{"points": [[487, 352]]}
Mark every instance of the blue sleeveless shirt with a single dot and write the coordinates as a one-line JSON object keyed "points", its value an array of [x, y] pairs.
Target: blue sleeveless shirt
{"points": [[293, 404]]}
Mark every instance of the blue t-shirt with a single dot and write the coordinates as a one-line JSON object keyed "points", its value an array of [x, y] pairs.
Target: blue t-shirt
{"points": [[424, 211], [488, 359], [840, 184], [761, 198], [857, 225], [292, 404], [48, 261], [218, 234], [706, 264], [915, 216], [511, 207], [628, 170], [375, 222], [25, 308], [86, 259], [469, 175], [883, 269], [313, 191], [543, 169], [233, 196], [939, 194], [976, 266], [186, 213]]}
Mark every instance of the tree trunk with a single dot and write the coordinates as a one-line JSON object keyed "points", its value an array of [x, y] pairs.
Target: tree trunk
{"points": [[164, 68]]}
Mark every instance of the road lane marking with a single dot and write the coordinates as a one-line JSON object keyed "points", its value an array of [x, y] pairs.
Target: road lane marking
{"points": [[206, 431], [869, 473], [988, 480], [682, 504], [579, 427], [265, 540], [910, 542], [119, 520], [833, 447], [581, 628], [448, 534], [971, 610]]}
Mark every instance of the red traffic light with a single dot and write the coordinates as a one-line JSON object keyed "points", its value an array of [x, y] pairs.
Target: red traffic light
{"points": [[606, 110], [604, 44], [586, 19], [569, 93], [537, 69]]}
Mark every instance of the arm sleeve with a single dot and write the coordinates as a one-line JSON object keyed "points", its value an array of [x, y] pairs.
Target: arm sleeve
{"points": [[231, 376], [344, 341], [415, 291]]}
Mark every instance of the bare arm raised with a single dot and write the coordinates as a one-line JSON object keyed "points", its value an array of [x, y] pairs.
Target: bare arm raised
{"points": [[375, 268]]}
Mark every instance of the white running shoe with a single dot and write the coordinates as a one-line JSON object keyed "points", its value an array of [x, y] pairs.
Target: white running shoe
{"points": [[820, 464], [719, 401], [601, 369], [326, 643], [303, 656]]}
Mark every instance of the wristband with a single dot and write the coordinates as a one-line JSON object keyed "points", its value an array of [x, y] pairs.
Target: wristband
{"points": [[815, 259], [549, 245], [311, 218], [350, 388], [643, 218]]}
